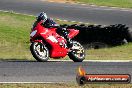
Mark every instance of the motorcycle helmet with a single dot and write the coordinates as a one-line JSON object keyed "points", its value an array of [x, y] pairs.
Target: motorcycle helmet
{"points": [[42, 16]]}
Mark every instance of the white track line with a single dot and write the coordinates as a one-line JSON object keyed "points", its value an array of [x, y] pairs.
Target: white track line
{"points": [[16, 13], [93, 60], [63, 60], [32, 82]]}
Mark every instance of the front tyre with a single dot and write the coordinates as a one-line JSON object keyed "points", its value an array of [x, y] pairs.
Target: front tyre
{"points": [[77, 53], [39, 51]]}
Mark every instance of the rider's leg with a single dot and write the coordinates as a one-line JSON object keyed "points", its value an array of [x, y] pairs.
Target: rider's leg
{"points": [[63, 32], [69, 42]]}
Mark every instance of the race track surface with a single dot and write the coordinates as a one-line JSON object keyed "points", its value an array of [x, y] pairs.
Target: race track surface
{"points": [[31, 71], [73, 12]]}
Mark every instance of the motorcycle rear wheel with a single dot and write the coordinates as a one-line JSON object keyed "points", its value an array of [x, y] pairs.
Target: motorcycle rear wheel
{"points": [[39, 51], [77, 53]]}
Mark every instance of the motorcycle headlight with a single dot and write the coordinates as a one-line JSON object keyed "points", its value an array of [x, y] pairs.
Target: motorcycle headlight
{"points": [[33, 33]]}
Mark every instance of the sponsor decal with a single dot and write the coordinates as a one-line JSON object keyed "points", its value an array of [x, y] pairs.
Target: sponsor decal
{"points": [[53, 39]]}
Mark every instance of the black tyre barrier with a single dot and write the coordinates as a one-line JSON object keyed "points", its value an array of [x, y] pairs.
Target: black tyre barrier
{"points": [[95, 45], [111, 35]]}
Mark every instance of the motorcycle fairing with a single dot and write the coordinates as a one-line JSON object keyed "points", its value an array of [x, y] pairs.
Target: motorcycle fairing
{"points": [[52, 38]]}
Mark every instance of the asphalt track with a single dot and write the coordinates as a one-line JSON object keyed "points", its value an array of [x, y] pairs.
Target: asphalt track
{"points": [[30, 71], [73, 12]]}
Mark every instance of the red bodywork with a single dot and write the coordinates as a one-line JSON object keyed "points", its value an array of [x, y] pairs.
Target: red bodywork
{"points": [[56, 41]]}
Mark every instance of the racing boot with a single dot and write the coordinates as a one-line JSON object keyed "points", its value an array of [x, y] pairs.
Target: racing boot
{"points": [[69, 42]]}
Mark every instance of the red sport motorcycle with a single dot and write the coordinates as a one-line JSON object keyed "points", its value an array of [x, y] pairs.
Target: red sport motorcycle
{"points": [[45, 43]]}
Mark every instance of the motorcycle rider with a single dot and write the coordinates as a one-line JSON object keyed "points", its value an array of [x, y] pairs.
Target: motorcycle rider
{"points": [[48, 23]]}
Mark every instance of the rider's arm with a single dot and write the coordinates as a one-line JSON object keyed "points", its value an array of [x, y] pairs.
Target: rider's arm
{"points": [[34, 25], [50, 23]]}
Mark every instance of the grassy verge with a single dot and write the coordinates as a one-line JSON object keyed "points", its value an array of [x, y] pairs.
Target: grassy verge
{"points": [[14, 36], [14, 40], [115, 3], [65, 86], [115, 53]]}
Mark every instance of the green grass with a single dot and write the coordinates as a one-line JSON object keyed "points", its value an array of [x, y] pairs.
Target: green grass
{"points": [[14, 40], [115, 53], [14, 36], [115, 3], [69, 85]]}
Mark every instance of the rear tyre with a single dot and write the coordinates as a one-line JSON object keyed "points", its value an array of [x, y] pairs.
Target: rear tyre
{"points": [[39, 51], [77, 53]]}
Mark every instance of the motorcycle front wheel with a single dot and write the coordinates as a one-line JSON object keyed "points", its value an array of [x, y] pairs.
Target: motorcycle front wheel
{"points": [[39, 51], [77, 53]]}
